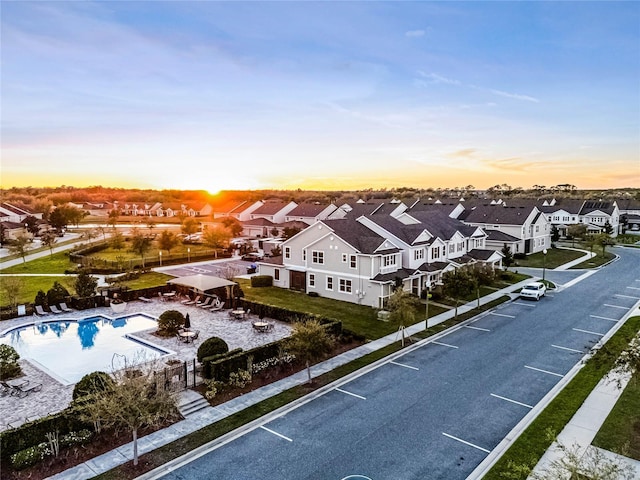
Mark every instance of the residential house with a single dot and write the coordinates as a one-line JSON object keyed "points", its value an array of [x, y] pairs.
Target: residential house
{"points": [[362, 260], [310, 213], [564, 212], [273, 210], [525, 223], [12, 213]]}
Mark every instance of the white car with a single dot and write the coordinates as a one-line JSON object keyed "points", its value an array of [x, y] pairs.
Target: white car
{"points": [[533, 290]]}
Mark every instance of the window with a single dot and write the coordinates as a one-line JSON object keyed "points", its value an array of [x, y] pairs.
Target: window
{"points": [[388, 260], [312, 280], [317, 257], [287, 252], [537, 228], [435, 252], [418, 254], [329, 283], [452, 248], [344, 258], [352, 261], [345, 286], [276, 274], [304, 255], [461, 246]]}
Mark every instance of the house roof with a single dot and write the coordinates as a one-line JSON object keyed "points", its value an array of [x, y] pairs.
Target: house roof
{"points": [[440, 224], [482, 254], [498, 236], [355, 234], [496, 214], [277, 260], [258, 222], [270, 207], [592, 206], [309, 210], [401, 273]]}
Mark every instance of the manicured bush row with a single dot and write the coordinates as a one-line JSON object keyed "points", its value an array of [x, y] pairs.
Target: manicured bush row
{"points": [[33, 433], [32, 455], [208, 361], [262, 281]]}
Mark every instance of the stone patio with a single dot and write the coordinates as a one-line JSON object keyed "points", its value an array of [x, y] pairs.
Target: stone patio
{"points": [[55, 396]]}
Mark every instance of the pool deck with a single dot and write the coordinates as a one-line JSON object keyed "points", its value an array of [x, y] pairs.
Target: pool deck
{"points": [[55, 396]]}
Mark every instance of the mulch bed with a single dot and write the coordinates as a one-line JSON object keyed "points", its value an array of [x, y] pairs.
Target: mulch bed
{"points": [[108, 441]]}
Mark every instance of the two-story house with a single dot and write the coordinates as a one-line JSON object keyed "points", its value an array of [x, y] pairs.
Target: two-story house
{"points": [[595, 214], [310, 213]]}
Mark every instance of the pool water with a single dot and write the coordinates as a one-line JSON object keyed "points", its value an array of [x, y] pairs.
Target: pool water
{"points": [[68, 350]]}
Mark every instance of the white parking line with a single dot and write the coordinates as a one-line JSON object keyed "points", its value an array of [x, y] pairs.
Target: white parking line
{"points": [[444, 344], [543, 371], [466, 443], [634, 288], [524, 304], [352, 394], [276, 433], [567, 348], [502, 315], [588, 331], [510, 400], [403, 365], [625, 296], [477, 328], [616, 306], [604, 318]]}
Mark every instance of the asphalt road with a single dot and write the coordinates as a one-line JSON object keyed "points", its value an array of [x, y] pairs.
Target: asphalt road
{"points": [[436, 412]]}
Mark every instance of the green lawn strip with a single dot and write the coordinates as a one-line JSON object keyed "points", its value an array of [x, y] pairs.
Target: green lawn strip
{"points": [[554, 258], [186, 444], [147, 280], [621, 431], [533, 442], [31, 286], [37, 250], [596, 261], [179, 251], [56, 263]]}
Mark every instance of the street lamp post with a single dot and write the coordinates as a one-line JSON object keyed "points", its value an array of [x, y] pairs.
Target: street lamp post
{"points": [[189, 254], [160, 255], [426, 321], [544, 263]]}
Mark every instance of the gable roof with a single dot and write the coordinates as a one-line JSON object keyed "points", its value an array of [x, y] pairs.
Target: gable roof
{"points": [[496, 214], [355, 234], [309, 210]]}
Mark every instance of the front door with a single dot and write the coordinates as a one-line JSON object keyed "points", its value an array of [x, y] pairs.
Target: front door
{"points": [[298, 281]]}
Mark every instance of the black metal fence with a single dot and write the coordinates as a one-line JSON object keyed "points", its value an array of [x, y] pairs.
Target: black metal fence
{"points": [[179, 377]]}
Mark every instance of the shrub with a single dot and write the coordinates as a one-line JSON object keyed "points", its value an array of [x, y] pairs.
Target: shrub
{"points": [[169, 322], [261, 281], [32, 455], [41, 298], [92, 383], [57, 294], [240, 379], [9, 366], [212, 346]]}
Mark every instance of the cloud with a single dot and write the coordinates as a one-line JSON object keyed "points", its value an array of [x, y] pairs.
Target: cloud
{"points": [[435, 78], [463, 153], [513, 164], [515, 96], [414, 33]]}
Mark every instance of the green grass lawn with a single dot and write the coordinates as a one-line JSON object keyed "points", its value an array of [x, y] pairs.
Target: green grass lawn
{"points": [[357, 318], [554, 258], [596, 261], [621, 431], [56, 263], [31, 286]]}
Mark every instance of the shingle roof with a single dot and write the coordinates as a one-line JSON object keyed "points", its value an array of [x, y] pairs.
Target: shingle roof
{"points": [[308, 210], [498, 236], [354, 233], [496, 214], [270, 207], [481, 253], [258, 222], [440, 224]]}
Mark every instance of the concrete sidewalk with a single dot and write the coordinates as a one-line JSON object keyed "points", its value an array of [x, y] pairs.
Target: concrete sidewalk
{"points": [[209, 415]]}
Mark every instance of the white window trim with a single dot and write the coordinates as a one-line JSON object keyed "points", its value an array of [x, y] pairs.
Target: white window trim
{"points": [[327, 286], [319, 255], [346, 281], [312, 280]]}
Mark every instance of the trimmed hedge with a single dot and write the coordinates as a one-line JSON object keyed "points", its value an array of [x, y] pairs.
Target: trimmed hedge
{"points": [[33, 433], [262, 281], [212, 346]]}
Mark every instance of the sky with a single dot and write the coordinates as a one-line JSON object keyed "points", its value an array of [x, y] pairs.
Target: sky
{"points": [[319, 95]]}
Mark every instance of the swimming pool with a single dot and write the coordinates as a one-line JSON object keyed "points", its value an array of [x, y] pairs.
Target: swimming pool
{"points": [[69, 349]]}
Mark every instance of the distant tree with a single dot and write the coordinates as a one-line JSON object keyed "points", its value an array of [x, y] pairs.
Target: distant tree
{"points": [[48, 239], [577, 231], [309, 342], [604, 240], [64, 215], [140, 243], [12, 286], [85, 284], [20, 246], [41, 299], [216, 237], [89, 234], [402, 308], [624, 221], [276, 251], [103, 231], [31, 223], [117, 241], [151, 225], [233, 225], [507, 261], [3, 233], [608, 229], [289, 232], [274, 232], [481, 274], [189, 226], [44, 207], [113, 218], [9, 366], [457, 284], [168, 240], [555, 233]]}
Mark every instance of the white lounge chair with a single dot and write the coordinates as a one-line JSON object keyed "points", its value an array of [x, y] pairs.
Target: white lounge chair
{"points": [[206, 303], [64, 308], [40, 311], [55, 309], [192, 302], [217, 307]]}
